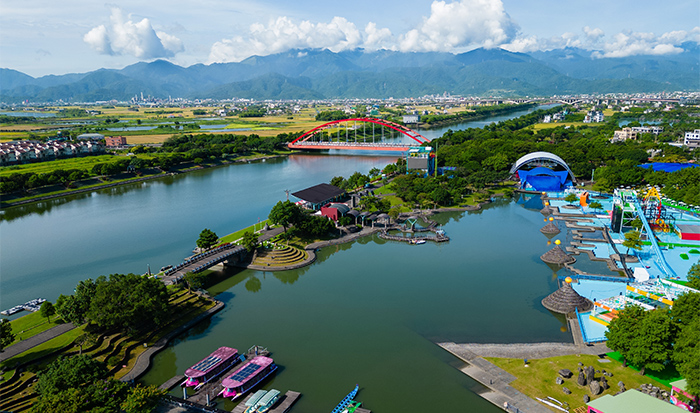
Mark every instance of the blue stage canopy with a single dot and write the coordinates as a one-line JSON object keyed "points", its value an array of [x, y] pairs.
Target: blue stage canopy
{"points": [[667, 166], [543, 179]]}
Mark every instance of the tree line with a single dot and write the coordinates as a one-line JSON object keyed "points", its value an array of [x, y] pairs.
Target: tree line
{"points": [[659, 338]]}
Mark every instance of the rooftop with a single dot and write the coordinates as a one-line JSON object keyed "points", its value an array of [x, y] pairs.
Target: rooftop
{"points": [[319, 194]]}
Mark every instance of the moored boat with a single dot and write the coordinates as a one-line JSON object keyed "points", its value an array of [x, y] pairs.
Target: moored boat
{"points": [[211, 367], [268, 401], [247, 376], [351, 407], [346, 400], [253, 402]]}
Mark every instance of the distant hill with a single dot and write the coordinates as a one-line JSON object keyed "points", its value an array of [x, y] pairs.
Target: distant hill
{"points": [[318, 74]]}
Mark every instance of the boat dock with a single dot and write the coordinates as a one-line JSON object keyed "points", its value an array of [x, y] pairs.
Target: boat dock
{"points": [[170, 384], [283, 406], [208, 392]]}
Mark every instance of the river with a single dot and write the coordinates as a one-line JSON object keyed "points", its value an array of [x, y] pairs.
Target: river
{"points": [[367, 312]]}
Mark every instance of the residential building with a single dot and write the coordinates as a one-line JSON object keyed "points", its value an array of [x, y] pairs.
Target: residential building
{"points": [[115, 141], [648, 129], [692, 139], [411, 119], [624, 134]]}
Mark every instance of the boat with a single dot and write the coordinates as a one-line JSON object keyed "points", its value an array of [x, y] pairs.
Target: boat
{"points": [[31, 305], [253, 402], [352, 406], [346, 400], [211, 367], [247, 376], [268, 401], [420, 241]]}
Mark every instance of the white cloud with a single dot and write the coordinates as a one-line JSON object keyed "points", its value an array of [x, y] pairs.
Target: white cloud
{"points": [[621, 44], [283, 34], [450, 26], [640, 43], [138, 39], [461, 24]]}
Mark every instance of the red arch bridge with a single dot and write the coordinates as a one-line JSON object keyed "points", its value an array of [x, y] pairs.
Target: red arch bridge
{"points": [[357, 134]]}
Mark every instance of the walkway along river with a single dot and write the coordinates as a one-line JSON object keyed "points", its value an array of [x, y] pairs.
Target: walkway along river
{"points": [[368, 315]]}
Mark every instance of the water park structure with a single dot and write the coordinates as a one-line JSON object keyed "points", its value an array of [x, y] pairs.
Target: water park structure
{"points": [[543, 171]]}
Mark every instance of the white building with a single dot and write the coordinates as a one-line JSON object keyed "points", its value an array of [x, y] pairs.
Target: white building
{"points": [[692, 139], [624, 134], [411, 119], [648, 129]]}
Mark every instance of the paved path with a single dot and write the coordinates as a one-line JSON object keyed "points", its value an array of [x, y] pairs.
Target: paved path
{"points": [[35, 340], [143, 362], [522, 350]]}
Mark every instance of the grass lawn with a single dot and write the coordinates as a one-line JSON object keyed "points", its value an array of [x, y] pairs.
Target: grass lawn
{"points": [[85, 163], [538, 379], [44, 348], [239, 234], [665, 376], [31, 325], [540, 126]]}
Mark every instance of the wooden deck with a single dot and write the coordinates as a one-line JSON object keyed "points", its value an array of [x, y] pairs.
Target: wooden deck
{"points": [[283, 405], [170, 384]]}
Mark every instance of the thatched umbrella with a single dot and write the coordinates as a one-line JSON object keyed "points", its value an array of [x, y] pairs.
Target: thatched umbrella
{"points": [[565, 300], [557, 256], [546, 210], [550, 228]]}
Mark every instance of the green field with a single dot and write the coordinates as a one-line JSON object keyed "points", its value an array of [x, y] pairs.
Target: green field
{"points": [[537, 379], [85, 163], [32, 324]]}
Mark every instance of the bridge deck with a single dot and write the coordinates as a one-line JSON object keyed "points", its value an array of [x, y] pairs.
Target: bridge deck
{"points": [[201, 262], [352, 146]]}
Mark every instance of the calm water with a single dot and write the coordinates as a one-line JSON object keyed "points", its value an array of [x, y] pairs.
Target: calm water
{"points": [[369, 312], [366, 312], [48, 247]]}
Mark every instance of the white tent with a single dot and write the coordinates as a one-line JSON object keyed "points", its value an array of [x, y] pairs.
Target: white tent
{"points": [[641, 274]]}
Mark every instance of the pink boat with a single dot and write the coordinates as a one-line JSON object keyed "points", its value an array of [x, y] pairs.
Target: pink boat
{"points": [[211, 367], [247, 376]]}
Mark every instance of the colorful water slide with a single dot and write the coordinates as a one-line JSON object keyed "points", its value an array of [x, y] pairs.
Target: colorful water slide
{"points": [[660, 259]]}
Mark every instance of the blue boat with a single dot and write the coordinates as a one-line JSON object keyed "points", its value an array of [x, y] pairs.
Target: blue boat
{"points": [[343, 403]]}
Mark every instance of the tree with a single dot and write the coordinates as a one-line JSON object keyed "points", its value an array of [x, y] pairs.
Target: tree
{"points": [[686, 355], [623, 329], [207, 238], [632, 240], [652, 347], [571, 198], [47, 310], [85, 339], [74, 308], [694, 276], [142, 399], [250, 241], [129, 302], [285, 213], [193, 280], [596, 205], [70, 372], [686, 308], [6, 334]]}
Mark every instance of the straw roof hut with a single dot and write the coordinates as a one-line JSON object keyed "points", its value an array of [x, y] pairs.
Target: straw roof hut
{"points": [[550, 228], [565, 300], [557, 256]]}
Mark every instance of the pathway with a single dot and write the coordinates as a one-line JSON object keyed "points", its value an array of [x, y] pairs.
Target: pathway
{"points": [[35, 340]]}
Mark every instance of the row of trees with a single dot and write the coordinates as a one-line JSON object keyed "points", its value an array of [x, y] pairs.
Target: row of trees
{"points": [[476, 113], [81, 384], [125, 302], [654, 339]]}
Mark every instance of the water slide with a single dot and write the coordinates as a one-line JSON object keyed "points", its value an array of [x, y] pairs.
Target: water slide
{"points": [[654, 245]]}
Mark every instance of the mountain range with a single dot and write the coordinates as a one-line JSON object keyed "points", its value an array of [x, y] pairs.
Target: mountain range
{"points": [[323, 74]]}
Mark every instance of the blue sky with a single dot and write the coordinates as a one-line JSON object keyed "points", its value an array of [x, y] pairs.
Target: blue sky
{"points": [[39, 37]]}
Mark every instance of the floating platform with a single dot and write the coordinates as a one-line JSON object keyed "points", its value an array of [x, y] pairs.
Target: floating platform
{"points": [[283, 405]]}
